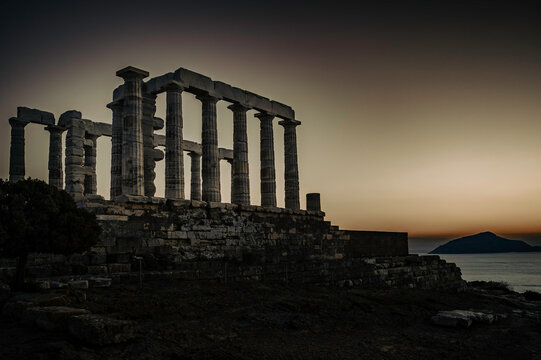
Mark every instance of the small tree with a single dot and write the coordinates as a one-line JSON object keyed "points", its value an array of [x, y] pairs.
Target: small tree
{"points": [[37, 217]]}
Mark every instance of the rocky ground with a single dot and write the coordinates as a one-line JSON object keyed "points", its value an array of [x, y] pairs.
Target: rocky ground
{"points": [[204, 320]]}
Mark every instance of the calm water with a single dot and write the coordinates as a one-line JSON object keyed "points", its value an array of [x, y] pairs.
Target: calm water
{"points": [[522, 271]]}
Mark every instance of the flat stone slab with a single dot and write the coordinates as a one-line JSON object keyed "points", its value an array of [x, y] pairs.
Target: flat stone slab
{"points": [[51, 318], [100, 330], [462, 318]]}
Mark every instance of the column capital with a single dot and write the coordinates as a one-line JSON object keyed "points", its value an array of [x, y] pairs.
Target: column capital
{"points": [[207, 97], [174, 86], [55, 129], [116, 105], [16, 122], [193, 154], [238, 107], [264, 116], [131, 72], [289, 123]]}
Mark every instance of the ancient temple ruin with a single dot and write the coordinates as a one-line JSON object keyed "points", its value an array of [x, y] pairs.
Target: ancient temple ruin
{"points": [[203, 237], [134, 142]]}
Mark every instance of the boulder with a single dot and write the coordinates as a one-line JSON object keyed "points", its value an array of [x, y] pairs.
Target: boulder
{"points": [[100, 330], [463, 318]]}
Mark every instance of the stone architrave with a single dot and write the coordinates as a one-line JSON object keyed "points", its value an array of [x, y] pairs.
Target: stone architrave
{"points": [[210, 168], [291, 169], [116, 149], [268, 172], [132, 131], [91, 179], [56, 174], [240, 178], [195, 180], [16, 150], [149, 162], [174, 157]]}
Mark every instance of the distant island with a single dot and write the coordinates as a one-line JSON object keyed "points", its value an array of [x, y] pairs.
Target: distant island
{"points": [[485, 242]]}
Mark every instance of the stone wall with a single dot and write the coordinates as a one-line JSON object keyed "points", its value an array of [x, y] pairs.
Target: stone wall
{"points": [[216, 241]]}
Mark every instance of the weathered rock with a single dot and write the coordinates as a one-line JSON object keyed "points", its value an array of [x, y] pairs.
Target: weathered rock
{"points": [[78, 284], [51, 317], [96, 282], [100, 330], [462, 318]]}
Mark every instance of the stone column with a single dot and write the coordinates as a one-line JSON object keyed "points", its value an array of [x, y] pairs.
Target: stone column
{"points": [[91, 179], [313, 202], [116, 149], [209, 142], [149, 162], [174, 159], [268, 173], [231, 161], [291, 171], [195, 183], [132, 131], [16, 150], [56, 174], [74, 163], [240, 179]]}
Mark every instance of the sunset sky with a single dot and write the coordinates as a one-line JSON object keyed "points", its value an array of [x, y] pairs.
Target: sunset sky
{"points": [[414, 117]]}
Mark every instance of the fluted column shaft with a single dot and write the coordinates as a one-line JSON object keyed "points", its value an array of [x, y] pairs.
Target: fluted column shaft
{"points": [[240, 178], [174, 159], [149, 162], [209, 142], [91, 179], [268, 172], [16, 150], [291, 170], [116, 149], [56, 174], [195, 183], [132, 132]]}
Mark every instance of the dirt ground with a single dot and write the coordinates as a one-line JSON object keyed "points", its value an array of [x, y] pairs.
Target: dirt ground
{"points": [[203, 320]]}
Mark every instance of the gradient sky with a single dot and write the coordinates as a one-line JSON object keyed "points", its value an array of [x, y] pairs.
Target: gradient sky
{"points": [[416, 117]]}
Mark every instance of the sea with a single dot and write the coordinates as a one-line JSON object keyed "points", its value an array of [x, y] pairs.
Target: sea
{"points": [[521, 271]]}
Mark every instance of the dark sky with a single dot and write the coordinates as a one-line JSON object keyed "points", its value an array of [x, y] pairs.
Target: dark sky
{"points": [[417, 116]]}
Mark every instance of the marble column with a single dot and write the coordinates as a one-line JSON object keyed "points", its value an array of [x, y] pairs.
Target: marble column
{"points": [[195, 183], [231, 161], [56, 174], [210, 169], [268, 172], [16, 150], [91, 179], [240, 179], [116, 149], [291, 169], [132, 131], [75, 154], [149, 162], [174, 159]]}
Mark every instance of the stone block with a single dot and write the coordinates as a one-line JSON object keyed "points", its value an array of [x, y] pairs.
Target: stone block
{"points": [[282, 111], [97, 269], [35, 116], [194, 81], [99, 282], [258, 102], [51, 318], [117, 268], [78, 284], [158, 123], [157, 85], [230, 93], [103, 217], [100, 330]]}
